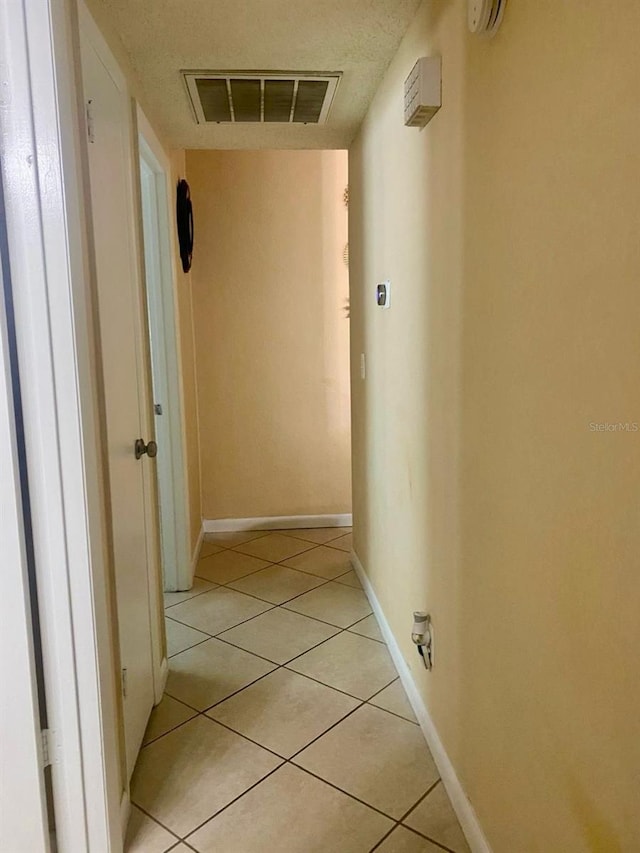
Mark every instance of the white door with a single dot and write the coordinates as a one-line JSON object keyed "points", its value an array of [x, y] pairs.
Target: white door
{"points": [[167, 391], [121, 330]]}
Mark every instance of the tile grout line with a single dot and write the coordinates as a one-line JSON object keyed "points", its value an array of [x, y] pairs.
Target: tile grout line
{"points": [[277, 667], [284, 760], [264, 601], [285, 665], [228, 583], [399, 821], [234, 800], [155, 819], [338, 630]]}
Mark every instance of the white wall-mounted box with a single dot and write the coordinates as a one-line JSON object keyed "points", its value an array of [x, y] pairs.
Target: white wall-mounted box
{"points": [[423, 91]]}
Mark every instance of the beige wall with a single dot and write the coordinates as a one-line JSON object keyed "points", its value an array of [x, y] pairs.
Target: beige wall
{"points": [[510, 229], [270, 288], [188, 365]]}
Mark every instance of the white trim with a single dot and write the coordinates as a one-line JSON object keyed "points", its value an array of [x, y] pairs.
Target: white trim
{"points": [[196, 552], [161, 681], [276, 522], [53, 290], [125, 812], [162, 304], [21, 773], [459, 800]]}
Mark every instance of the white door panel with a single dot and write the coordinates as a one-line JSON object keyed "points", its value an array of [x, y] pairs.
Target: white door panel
{"points": [[120, 331], [167, 391]]}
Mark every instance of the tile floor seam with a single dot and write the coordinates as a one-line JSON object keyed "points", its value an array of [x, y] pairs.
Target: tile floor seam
{"points": [[239, 578], [339, 690], [342, 791], [290, 557], [352, 711], [282, 758], [311, 648], [179, 592], [417, 803], [173, 619], [295, 613], [304, 770], [351, 627], [199, 643], [285, 666], [326, 732], [310, 545], [235, 800], [280, 603], [235, 692], [393, 713], [415, 832], [307, 572], [325, 581], [240, 648], [257, 597], [364, 803], [159, 822], [279, 566], [335, 548], [322, 620], [397, 822], [384, 837], [205, 713], [173, 728], [415, 806], [307, 551], [215, 636], [215, 814], [226, 584], [400, 822], [428, 838]]}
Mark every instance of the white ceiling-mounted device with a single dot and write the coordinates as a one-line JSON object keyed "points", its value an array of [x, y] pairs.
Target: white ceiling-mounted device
{"points": [[285, 97], [485, 16], [423, 91]]}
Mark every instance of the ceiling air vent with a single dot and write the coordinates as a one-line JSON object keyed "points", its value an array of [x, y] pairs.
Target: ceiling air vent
{"points": [[261, 96]]}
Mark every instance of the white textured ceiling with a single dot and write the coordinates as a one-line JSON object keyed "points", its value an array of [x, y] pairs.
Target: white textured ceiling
{"points": [[162, 37]]}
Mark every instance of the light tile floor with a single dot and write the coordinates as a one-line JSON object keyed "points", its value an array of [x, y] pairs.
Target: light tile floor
{"points": [[284, 727]]}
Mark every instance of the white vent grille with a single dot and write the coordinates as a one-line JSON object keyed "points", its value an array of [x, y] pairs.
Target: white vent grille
{"points": [[267, 97]]}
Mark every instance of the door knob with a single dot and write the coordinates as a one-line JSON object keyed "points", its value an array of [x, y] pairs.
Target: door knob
{"points": [[140, 448]]}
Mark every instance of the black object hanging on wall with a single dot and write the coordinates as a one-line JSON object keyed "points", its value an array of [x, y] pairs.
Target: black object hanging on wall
{"points": [[184, 216]]}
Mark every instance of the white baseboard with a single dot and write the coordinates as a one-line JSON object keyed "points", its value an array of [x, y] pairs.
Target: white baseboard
{"points": [[196, 552], [459, 800], [276, 522]]}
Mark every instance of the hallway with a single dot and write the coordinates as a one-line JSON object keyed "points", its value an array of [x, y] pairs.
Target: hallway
{"points": [[284, 726]]}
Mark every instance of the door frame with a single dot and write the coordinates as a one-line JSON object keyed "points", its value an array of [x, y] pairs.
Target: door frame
{"points": [[45, 178], [22, 779], [166, 362]]}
